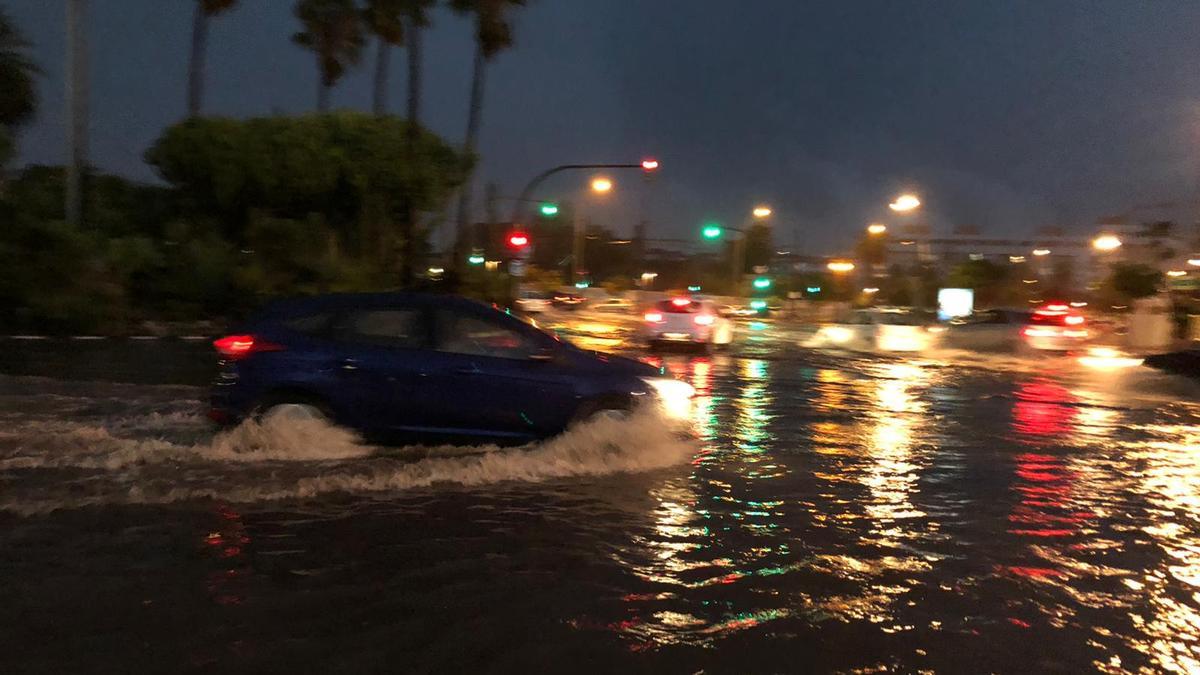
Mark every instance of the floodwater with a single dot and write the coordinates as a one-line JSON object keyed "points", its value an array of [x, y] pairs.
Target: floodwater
{"points": [[836, 512]]}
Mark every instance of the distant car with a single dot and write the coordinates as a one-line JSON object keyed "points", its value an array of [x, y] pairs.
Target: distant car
{"points": [[737, 311], [532, 302], [1053, 327], [405, 367], [612, 306], [568, 300], [988, 330], [684, 320], [1056, 327], [886, 330]]}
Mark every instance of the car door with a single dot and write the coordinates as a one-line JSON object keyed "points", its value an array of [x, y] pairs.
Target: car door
{"points": [[497, 376], [382, 370]]}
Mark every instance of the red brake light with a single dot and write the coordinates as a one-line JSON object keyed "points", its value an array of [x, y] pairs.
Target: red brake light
{"points": [[653, 317], [1057, 308], [681, 302], [704, 319], [235, 347]]}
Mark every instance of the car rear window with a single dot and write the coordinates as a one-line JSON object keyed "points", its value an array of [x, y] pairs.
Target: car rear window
{"points": [[672, 307]]}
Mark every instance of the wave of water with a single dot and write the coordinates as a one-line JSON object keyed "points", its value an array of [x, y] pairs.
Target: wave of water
{"points": [[116, 462]]}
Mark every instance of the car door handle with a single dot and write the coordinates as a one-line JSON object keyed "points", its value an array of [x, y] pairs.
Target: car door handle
{"points": [[467, 371], [349, 364]]}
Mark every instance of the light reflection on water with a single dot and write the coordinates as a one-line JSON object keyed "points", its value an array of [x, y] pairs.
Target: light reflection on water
{"points": [[911, 506]]}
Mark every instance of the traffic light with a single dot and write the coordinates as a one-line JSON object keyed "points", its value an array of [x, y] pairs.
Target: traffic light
{"points": [[712, 231], [476, 259], [693, 289], [762, 284], [518, 240], [649, 164], [549, 209]]}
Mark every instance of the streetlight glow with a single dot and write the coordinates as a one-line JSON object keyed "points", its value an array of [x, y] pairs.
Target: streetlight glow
{"points": [[601, 185], [762, 211], [1106, 242], [876, 228], [1041, 252], [840, 266], [905, 203]]}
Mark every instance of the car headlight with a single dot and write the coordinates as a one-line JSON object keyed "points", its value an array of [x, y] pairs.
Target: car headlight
{"points": [[674, 395]]}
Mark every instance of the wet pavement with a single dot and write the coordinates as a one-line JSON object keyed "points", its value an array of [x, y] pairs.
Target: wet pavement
{"points": [[947, 512]]}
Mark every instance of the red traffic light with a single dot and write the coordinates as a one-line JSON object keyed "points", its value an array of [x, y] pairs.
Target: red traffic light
{"points": [[649, 164], [518, 240]]}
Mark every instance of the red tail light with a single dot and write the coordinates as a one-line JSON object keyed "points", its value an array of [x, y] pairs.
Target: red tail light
{"points": [[704, 319], [653, 317], [681, 302], [240, 346]]}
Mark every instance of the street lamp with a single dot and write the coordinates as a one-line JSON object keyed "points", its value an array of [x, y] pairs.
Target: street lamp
{"points": [[905, 202], [840, 266], [601, 185], [1039, 252], [762, 212], [1106, 242], [876, 228]]}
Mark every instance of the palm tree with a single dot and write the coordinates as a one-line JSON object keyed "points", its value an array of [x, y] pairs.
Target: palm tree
{"points": [[384, 18], [416, 15], [333, 31], [205, 10], [16, 80], [493, 34]]}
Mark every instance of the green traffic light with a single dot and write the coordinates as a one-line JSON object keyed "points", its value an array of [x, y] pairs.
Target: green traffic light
{"points": [[762, 283], [475, 259], [549, 209], [693, 289], [711, 231]]}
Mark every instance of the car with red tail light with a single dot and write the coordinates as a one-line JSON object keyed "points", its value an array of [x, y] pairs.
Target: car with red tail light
{"points": [[686, 321]]}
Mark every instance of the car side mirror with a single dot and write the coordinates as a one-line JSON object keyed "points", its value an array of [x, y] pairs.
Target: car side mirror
{"points": [[543, 354]]}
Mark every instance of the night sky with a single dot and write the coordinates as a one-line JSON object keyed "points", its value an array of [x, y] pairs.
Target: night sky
{"points": [[1007, 115]]}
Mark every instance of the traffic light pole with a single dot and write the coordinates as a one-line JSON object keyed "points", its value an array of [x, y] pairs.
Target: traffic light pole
{"points": [[537, 180]]}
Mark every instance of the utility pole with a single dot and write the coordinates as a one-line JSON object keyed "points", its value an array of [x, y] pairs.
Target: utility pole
{"points": [[77, 108], [577, 244]]}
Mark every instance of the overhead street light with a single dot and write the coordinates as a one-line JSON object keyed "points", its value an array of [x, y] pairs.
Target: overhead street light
{"points": [[601, 185], [1041, 252], [905, 202], [840, 266], [762, 212], [1106, 242], [876, 228]]}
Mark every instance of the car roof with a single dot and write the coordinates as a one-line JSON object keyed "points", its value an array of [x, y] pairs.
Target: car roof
{"points": [[334, 302]]}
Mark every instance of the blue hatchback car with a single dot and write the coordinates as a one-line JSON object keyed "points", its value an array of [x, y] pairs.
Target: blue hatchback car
{"points": [[402, 367]]}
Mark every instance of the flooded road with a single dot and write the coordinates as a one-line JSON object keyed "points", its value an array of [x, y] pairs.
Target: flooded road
{"points": [[836, 512]]}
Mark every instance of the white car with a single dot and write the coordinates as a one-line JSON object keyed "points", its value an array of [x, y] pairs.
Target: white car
{"points": [[612, 306], [686, 321], [880, 330]]}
